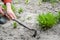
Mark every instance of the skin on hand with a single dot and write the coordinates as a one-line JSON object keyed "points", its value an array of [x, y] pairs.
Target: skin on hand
{"points": [[10, 14], [1, 10]]}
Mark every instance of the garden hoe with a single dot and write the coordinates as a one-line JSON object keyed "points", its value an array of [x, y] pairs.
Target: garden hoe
{"points": [[3, 20]]}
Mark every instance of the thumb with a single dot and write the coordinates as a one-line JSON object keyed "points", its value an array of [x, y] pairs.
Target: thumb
{"points": [[1, 12]]}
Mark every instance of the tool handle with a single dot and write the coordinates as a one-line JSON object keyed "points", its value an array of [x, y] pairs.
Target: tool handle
{"points": [[20, 23], [35, 32]]}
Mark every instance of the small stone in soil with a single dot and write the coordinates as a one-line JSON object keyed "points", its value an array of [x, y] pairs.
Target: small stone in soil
{"points": [[1, 38], [10, 34]]}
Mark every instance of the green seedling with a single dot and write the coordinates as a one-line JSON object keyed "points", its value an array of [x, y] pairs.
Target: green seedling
{"points": [[51, 1], [20, 10], [26, 1], [16, 1], [29, 18], [46, 21], [4, 6], [13, 7], [39, 2], [14, 25], [45, 0]]}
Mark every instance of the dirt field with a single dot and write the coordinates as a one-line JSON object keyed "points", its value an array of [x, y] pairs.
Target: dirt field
{"points": [[30, 11]]}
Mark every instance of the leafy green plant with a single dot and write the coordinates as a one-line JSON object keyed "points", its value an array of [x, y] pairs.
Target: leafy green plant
{"points": [[51, 1], [4, 6], [14, 25], [26, 1], [45, 0], [47, 20], [20, 10], [12, 6]]}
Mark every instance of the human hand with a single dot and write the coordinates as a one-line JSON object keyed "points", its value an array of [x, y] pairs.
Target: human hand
{"points": [[10, 14], [1, 10]]}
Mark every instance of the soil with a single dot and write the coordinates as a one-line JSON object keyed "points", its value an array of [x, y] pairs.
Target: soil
{"points": [[28, 18]]}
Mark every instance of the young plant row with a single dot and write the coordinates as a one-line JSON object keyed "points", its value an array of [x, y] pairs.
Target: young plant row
{"points": [[48, 20]]}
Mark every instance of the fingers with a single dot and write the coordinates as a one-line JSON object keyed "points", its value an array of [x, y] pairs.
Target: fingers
{"points": [[8, 17], [1, 10], [11, 15]]}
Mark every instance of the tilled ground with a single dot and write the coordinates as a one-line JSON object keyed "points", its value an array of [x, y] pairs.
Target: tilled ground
{"points": [[28, 18]]}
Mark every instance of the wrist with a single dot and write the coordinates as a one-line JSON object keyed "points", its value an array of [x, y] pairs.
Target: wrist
{"points": [[8, 6]]}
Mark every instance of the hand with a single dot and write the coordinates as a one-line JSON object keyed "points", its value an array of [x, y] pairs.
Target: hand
{"points": [[1, 10], [10, 14]]}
